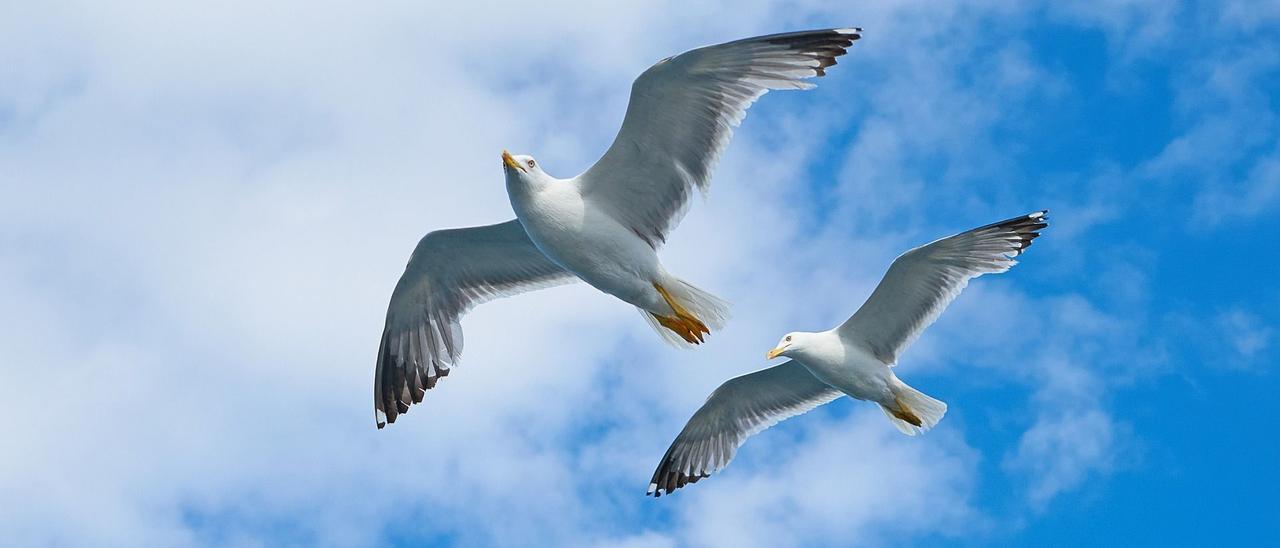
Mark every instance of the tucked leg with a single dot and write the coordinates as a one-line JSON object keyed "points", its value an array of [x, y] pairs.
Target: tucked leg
{"points": [[684, 324]]}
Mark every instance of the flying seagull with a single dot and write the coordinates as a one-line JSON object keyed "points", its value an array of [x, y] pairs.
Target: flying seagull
{"points": [[855, 358], [603, 226]]}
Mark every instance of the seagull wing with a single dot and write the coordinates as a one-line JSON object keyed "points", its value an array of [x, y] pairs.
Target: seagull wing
{"points": [[681, 115], [922, 282], [449, 272], [738, 409]]}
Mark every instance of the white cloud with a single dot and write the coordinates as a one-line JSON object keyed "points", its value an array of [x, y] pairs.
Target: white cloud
{"points": [[1250, 15], [1248, 337], [1134, 28], [1227, 129], [1255, 195], [1060, 452]]}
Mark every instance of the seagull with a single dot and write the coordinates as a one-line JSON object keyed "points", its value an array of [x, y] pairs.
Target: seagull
{"points": [[604, 226], [854, 359]]}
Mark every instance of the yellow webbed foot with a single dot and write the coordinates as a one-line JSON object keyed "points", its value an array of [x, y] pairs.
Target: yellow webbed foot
{"points": [[687, 330], [905, 413], [684, 324]]}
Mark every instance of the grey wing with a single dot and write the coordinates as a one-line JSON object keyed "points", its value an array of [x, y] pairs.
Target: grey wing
{"points": [[449, 272], [738, 409], [680, 117], [922, 282]]}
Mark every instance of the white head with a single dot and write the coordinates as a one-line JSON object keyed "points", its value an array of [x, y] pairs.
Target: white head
{"points": [[522, 169], [790, 345]]}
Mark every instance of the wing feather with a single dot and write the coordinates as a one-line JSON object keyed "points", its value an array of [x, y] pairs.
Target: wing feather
{"points": [[738, 409], [449, 272], [922, 282], [682, 113]]}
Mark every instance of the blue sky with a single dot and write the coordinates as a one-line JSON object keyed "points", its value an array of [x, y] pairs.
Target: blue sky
{"points": [[203, 212]]}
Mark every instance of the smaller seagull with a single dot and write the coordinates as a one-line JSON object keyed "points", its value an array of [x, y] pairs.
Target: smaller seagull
{"points": [[855, 358]]}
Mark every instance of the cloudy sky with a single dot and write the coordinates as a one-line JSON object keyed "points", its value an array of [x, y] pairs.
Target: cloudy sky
{"points": [[203, 211]]}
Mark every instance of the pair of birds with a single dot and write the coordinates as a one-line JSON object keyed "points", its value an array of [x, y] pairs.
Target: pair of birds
{"points": [[605, 226]]}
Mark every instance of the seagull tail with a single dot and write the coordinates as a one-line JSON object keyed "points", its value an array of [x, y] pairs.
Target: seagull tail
{"points": [[912, 412], [698, 312]]}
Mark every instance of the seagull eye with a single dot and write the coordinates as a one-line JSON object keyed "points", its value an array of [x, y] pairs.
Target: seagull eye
{"points": [[788, 338], [530, 162]]}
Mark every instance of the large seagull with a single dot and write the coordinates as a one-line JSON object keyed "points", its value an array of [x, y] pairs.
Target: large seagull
{"points": [[604, 226], [854, 359]]}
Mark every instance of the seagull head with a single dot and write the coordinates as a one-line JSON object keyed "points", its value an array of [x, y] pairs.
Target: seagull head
{"points": [[790, 344], [521, 166]]}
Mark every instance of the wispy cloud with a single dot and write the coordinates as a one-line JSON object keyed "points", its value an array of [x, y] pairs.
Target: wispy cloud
{"points": [[1247, 336], [1060, 452]]}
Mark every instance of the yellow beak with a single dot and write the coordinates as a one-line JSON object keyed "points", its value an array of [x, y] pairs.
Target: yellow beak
{"points": [[773, 353], [511, 162]]}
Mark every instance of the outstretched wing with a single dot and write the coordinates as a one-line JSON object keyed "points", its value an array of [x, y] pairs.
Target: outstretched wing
{"points": [[682, 113], [449, 272], [738, 409], [922, 282]]}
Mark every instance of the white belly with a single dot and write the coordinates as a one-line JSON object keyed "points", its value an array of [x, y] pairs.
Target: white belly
{"points": [[590, 244], [855, 372]]}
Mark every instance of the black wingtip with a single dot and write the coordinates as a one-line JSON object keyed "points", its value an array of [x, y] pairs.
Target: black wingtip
{"points": [[1027, 227], [826, 44], [667, 482]]}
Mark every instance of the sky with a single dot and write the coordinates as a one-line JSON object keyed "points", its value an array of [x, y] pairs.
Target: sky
{"points": [[203, 211]]}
